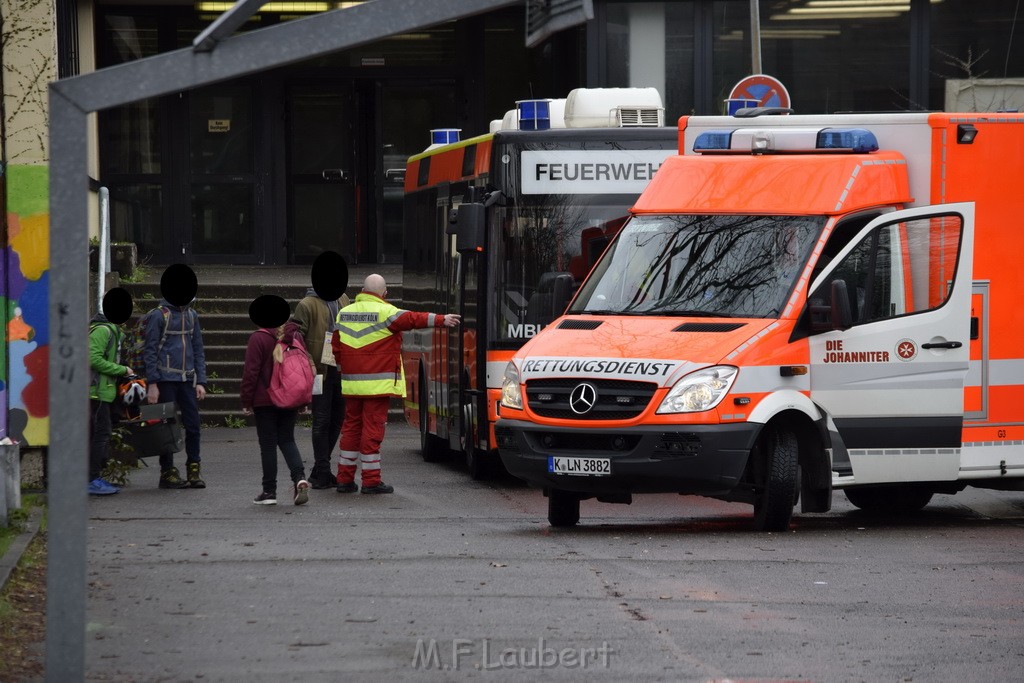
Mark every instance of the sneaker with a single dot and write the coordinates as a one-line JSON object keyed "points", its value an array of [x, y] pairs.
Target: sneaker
{"points": [[301, 492], [265, 498], [100, 487], [379, 488], [350, 487], [194, 479], [170, 479]]}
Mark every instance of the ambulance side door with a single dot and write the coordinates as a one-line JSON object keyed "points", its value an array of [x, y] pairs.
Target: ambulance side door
{"points": [[892, 383]]}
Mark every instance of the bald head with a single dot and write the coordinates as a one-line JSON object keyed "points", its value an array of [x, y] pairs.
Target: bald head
{"points": [[375, 284]]}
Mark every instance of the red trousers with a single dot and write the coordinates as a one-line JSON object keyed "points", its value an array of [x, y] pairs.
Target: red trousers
{"points": [[361, 434]]}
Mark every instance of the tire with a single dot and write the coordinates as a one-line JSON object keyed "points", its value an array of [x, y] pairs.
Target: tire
{"points": [[431, 447], [776, 479], [476, 462], [889, 500], [563, 508]]}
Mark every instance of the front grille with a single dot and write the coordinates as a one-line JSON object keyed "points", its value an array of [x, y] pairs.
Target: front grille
{"points": [[616, 399]]}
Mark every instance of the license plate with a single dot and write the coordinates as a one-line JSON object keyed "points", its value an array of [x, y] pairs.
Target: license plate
{"points": [[583, 467]]}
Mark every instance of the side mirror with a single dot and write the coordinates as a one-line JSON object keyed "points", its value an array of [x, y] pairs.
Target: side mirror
{"points": [[468, 224], [561, 294], [836, 315], [840, 316]]}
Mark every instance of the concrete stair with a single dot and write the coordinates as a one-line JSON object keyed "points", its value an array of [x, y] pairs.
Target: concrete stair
{"points": [[224, 317]]}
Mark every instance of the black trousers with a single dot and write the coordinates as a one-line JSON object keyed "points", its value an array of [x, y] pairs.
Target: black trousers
{"points": [[275, 428], [99, 438], [328, 411]]}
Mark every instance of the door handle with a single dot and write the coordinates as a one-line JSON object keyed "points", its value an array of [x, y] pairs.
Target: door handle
{"points": [[335, 174], [943, 345]]}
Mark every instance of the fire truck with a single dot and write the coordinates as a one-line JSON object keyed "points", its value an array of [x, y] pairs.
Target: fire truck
{"points": [[796, 304], [552, 189]]}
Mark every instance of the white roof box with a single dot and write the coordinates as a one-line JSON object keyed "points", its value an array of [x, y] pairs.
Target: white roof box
{"points": [[613, 107]]}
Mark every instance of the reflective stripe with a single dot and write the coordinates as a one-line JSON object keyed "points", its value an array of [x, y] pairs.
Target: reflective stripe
{"points": [[374, 377], [370, 461], [348, 458]]}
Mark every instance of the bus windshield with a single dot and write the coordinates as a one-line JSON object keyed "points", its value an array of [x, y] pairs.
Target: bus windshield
{"points": [[728, 266], [542, 249]]}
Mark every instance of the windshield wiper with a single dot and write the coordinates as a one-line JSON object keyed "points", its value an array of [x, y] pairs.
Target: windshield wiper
{"points": [[604, 311], [689, 312]]}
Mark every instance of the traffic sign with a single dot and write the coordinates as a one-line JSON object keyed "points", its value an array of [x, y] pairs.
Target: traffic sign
{"points": [[768, 91]]}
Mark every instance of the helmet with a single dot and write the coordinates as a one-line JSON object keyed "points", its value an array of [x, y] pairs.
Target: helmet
{"points": [[132, 392]]}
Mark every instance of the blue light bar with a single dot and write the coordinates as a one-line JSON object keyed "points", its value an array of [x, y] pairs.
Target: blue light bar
{"points": [[444, 136], [713, 140], [534, 114], [857, 140]]}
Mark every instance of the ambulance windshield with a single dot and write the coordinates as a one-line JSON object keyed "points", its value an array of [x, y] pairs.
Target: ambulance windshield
{"points": [[731, 266]]}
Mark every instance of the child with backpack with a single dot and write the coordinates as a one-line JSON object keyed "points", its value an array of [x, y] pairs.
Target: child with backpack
{"points": [[175, 365], [274, 388], [106, 368]]}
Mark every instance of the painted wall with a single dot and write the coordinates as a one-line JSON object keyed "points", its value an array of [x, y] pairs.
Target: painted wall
{"points": [[29, 58]]}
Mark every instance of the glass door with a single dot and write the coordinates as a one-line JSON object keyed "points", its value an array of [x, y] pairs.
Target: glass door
{"points": [[222, 188], [322, 177], [408, 113]]}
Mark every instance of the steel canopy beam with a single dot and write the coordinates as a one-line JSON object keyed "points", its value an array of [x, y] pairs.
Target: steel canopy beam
{"points": [[226, 24], [262, 49], [71, 100]]}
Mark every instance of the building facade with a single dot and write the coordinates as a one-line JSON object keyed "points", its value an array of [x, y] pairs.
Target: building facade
{"points": [[277, 168]]}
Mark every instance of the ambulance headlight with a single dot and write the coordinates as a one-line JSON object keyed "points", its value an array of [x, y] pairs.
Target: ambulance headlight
{"points": [[511, 396], [701, 390]]}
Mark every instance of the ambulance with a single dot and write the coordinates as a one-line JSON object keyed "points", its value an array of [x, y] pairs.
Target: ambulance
{"points": [[797, 304]]}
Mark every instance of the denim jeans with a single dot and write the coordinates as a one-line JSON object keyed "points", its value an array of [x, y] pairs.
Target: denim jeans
{"points": [[275, 428]]}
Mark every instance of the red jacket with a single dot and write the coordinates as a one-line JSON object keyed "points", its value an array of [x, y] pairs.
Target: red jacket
{"points": [[374, 368], [259, 365]]}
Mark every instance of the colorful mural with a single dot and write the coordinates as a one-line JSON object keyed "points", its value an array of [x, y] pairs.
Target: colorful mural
{"points": [[25, 294]]}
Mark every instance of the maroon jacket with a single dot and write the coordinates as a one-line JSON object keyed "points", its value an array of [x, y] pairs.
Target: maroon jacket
{"points": [[259, 365]]}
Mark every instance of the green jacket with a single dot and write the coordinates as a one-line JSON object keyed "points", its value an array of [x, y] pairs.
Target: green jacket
{"points": [[104, 346]]}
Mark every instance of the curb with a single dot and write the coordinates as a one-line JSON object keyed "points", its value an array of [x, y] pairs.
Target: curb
{"points": [[13, 555]]}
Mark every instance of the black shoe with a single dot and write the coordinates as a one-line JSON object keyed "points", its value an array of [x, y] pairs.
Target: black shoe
{"points": [[194, 477], [379, 488], [347, 488], [265, 498], [170, 479], [322, 481]]}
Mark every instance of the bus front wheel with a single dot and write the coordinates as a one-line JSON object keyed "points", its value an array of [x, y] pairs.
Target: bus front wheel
{"points": [[431, 447]]}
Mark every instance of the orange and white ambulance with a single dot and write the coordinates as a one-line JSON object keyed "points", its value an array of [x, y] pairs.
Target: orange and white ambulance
{"points": [[796, 304]]}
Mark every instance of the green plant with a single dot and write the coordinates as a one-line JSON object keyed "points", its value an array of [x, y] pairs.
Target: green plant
{"points": [[235, 421], [118, 469], [139, 275]]}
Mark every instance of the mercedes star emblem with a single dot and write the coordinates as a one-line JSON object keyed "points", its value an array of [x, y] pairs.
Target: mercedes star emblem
{"points": [[583, 398]]}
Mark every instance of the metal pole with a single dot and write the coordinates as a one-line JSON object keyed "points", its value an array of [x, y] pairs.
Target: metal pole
{"points": [[755, 37], [69, 390], [104, 255]]}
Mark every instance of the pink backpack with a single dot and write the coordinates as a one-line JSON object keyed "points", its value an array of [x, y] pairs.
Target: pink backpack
{"points": [[291, 382]]}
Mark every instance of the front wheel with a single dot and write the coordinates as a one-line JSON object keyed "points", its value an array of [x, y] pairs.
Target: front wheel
{"points": [[563, 508], [776, 479], [889, 500], [431, 447]]}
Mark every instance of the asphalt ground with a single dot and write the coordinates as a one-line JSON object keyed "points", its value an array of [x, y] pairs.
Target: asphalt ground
{"points": [[451, 579]]}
